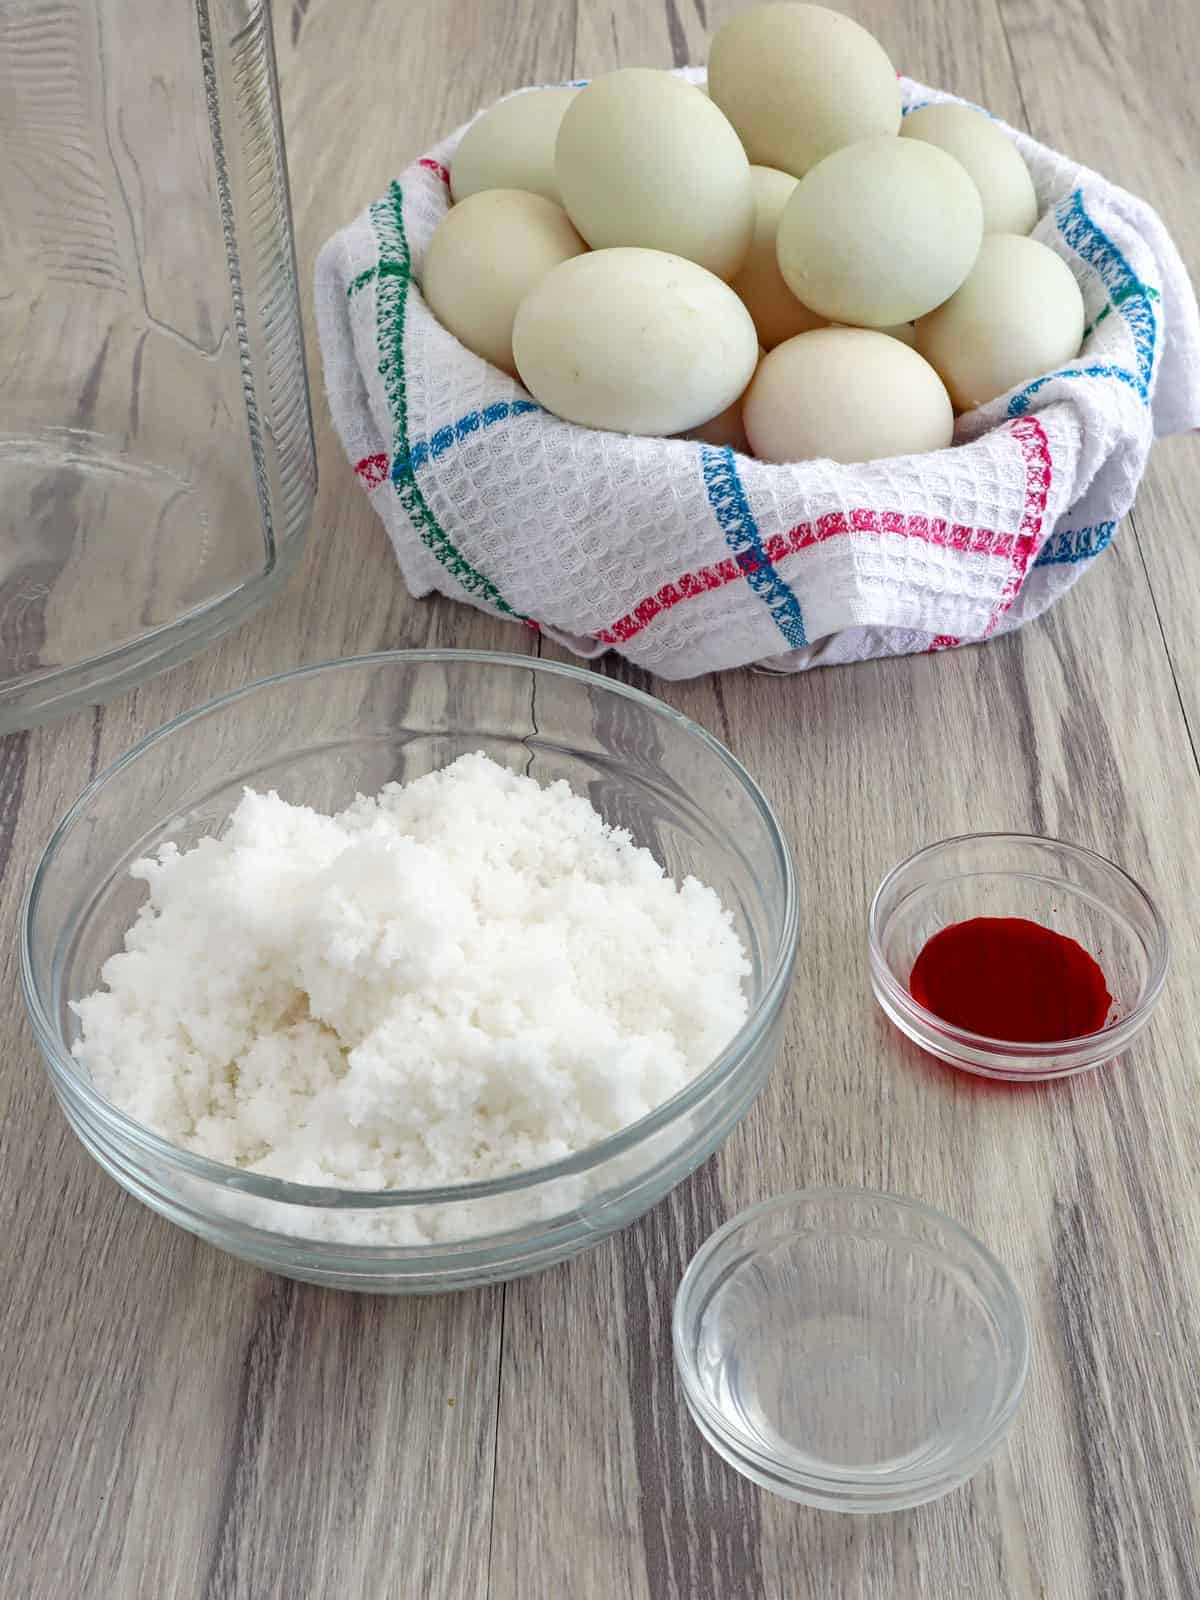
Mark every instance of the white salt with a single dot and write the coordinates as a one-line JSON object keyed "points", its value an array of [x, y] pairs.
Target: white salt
{"points": [[462, 977]]}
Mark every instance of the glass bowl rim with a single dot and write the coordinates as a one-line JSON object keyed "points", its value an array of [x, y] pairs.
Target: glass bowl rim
{"points": [[1021, 1050], [284, 1191], [970, 1456]]}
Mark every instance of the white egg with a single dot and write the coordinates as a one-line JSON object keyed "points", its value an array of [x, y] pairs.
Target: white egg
{"points": [[645, 159], [845, 394], [484, 257], [1019, 315], [634, 340], [800, 81], [777, 314], [880, 232], [988, 154], [512, 146]]}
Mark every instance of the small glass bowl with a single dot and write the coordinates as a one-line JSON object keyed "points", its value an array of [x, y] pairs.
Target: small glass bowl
{"points": [[1064, 887], [853, 1351]]}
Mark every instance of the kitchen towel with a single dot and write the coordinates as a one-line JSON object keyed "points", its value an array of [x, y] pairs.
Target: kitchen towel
{"points": [[687, 558]]}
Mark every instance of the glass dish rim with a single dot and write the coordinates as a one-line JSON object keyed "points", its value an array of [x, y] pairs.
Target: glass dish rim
{"points": [[1032, 1051], [973, 1454], [282, 1191]]}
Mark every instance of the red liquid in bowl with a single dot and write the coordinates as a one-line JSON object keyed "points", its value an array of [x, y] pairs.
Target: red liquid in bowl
{"points": [[1012, 979]]}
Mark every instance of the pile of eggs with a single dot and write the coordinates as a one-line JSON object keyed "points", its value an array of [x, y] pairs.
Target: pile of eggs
{"points": [[776, 264]]}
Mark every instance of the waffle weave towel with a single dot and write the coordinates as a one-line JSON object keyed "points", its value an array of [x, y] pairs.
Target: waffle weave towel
{"points": [[691, 559]]}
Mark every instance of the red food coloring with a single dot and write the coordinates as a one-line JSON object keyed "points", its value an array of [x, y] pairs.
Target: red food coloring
{"points": [[1009, 978]]}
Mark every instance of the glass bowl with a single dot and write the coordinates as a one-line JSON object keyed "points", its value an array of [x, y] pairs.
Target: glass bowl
{"points": [[853, 1351], [1064, 887], [320, 736]]}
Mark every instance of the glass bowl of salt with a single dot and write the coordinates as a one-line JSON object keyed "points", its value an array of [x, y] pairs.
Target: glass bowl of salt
{"points": [[310, 741]]}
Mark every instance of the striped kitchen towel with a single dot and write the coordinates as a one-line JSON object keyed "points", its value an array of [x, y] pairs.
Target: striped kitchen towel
{"points": [[690, 559]]}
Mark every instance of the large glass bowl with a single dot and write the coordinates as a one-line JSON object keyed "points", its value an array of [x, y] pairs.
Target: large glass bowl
{"points": [[157, 468], [319, 736]]}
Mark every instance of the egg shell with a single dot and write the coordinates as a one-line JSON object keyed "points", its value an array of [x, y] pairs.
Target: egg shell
{"points": [[995, 164], [484, 257], [880, 232], [845, 394], [638, 341], [800, 81], [645, 159], [777, 314], [1019, 314], [511, 146]]}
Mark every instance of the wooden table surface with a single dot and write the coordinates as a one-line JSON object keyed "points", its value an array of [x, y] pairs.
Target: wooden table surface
{"points": [[177, 1424]]}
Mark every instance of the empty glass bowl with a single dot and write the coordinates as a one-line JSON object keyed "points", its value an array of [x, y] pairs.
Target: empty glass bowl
{"points": [[319, 736], [854, 1351], [1062, 886]]}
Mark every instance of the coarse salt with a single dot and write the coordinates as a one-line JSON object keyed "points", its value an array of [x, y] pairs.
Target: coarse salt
{"points": [[463, 977]]}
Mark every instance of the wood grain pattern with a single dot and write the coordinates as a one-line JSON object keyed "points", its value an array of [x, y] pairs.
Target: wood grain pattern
{"points": [[179, 1425], [1136, 64]]}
